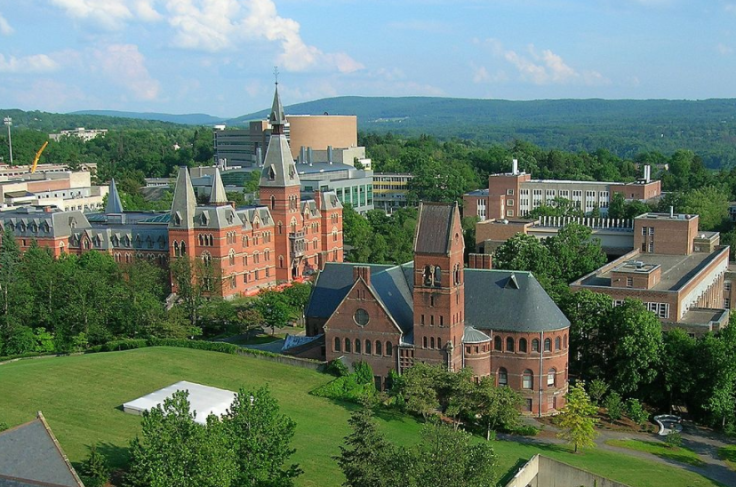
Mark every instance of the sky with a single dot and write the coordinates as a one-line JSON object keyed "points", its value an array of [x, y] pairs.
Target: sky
{"points": [[218, 56]]}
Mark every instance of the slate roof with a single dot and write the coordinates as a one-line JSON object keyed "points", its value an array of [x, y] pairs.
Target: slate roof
{"points": [[329, 201], [471, 335], [30, 455], [279, 169], [494, 299], [434, 226], [184, 203], [217, 192], [114, 205], [33, 222]]}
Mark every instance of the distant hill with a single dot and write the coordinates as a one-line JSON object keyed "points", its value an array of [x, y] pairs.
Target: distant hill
{"points": [[187, 119], [625, 127], [54, 122]]}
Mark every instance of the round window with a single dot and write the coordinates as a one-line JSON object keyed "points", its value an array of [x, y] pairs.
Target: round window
{"points": [[361, 317]]}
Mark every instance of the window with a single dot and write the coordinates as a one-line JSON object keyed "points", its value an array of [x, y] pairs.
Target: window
{"points": [[727, 303], [361, 317], [498, 344], [379, 350], [510, 192], [651, 230], [337, 344], [527, 380], [651, 247], [509, 344], [564, 341], [431, 342], [503, 377], [551, 374], [547, 345], [528, 405], [424, 342], [629, 282], [348, 345], [389, 349], [357, 345], [643, 230], [558, 343], [727, 286], [522, 345], [368, 347], [535, 345]]}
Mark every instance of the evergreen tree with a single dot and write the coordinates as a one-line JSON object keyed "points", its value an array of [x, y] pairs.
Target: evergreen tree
{"points": [[365, 457], [94, 470]]}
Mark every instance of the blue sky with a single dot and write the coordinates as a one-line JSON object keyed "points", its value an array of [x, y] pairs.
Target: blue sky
{"points": [[217, 56]]}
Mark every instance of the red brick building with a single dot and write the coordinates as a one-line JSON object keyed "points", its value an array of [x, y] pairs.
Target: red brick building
{"points": [[433, 310], [242, 249]]}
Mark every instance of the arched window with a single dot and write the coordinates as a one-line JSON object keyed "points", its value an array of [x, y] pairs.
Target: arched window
{"points": [[368, 347], [503, 377], [281, 261], [389, 349], [338, 344], [206, 258], [558, 342], [527, 381], [498, 344], [379, 349], [551, 374], [427, 276], [431, 342], [176, 249], [183, 247], [348, 345], [357, 345], [201, 240], [437, 276], [281, 228], [522, 345], [231, 257], [439, 343], [535, 345], [334, 234], [273, 202], [547, 345], [424, 342], [509, 344]]}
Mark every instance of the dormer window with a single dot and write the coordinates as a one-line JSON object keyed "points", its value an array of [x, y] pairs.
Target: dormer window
{"points": [[177, 219], [230, 217], [204, 219], [271, 174], [292, 171]]}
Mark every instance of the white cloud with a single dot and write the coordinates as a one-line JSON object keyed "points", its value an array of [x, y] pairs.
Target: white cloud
{"points": [[5, 28], [724, 49], [216, 25], [125, 66], [37, 63], [540, 68], [481, 75], [108, 14]]}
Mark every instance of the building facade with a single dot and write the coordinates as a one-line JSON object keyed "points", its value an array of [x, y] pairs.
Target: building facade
{"points": [[241, 250], [391, 190], [499, 323], [515, 194]]}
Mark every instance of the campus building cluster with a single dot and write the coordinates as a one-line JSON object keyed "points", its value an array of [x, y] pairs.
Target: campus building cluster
{"points": [[242, 250], [50, 186]]}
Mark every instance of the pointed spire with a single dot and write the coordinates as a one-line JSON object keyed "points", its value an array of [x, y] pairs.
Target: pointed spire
{"points": [[114, 205], [185, 202], [277, 116], [217, 192]]}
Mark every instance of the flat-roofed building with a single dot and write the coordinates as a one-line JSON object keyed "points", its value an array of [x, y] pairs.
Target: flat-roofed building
{"points": [[676, 271], [391, 190]]}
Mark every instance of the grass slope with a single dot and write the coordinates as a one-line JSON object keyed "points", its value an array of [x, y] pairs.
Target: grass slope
{"points": [[682, 455], [81, 398]]}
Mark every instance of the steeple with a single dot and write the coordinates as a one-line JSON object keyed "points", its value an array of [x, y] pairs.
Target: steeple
{"points": [[279, 170], [277, 117], [217, 192], [185, 202], [114, 205]]}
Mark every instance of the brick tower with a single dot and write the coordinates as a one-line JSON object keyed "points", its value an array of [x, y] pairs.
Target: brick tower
{"points": [[439, 289], [279, 191]]}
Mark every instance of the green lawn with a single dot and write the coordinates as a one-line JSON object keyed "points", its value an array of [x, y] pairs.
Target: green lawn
{"points": [[728, 455], [81, 398], [682, 455]]}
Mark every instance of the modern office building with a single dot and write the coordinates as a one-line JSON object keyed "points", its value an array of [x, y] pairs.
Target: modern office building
{"points": [[390, 190], [64, 190]]}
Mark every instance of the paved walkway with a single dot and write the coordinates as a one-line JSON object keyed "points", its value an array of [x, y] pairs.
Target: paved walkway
{"points": [[703, 442]]}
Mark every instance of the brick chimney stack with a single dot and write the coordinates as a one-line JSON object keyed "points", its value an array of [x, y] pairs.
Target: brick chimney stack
{"points": [[363, 272]]}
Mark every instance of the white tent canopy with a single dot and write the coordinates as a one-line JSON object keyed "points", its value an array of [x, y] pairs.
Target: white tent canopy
{"points": [[205, 400]]}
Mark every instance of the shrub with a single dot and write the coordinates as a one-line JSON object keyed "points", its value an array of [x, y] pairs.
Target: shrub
{"points": [[673, 439], [614, 406], [636, 412], [525, 430], [94, 469], [337, 368], [363, 373], [597, 388], [21, 341], [347, 388]]}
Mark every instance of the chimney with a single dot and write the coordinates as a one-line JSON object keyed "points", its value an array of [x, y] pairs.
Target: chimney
{"points": [[329, 154], [363, 272], [309, 155], [318, 199], [672, 211], [259, 156], [647, 173], [302, 155], [515, 167]]}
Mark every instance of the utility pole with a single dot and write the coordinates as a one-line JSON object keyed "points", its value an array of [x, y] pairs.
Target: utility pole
{"points": [[9, 121]]}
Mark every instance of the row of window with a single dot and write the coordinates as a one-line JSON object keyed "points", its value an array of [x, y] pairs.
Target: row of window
{"points": [[498, 343], [527, 378], [371, 348], [660, 309]]}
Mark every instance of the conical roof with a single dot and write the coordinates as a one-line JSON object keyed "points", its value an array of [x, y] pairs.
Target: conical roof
{"points": [[277, 116], [279, 170], [185, 202], [217, 192], [114, 205]]}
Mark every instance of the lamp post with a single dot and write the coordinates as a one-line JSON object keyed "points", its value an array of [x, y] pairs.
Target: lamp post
{"points": [[9, 121]]}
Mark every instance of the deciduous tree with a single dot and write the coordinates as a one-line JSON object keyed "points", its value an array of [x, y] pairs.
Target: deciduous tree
{"points": [[577, 419]]}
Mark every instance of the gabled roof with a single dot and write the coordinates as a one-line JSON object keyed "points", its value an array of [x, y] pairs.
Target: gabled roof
{"points": [[114, 205], [491, 303], [328, 201], [30, 455], [434, 228]]}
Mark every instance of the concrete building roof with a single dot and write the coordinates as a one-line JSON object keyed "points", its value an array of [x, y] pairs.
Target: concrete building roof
{"points": [[677, 270]]}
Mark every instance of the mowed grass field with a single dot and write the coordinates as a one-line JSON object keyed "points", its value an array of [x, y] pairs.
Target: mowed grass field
{"points": [[81, 398]]}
